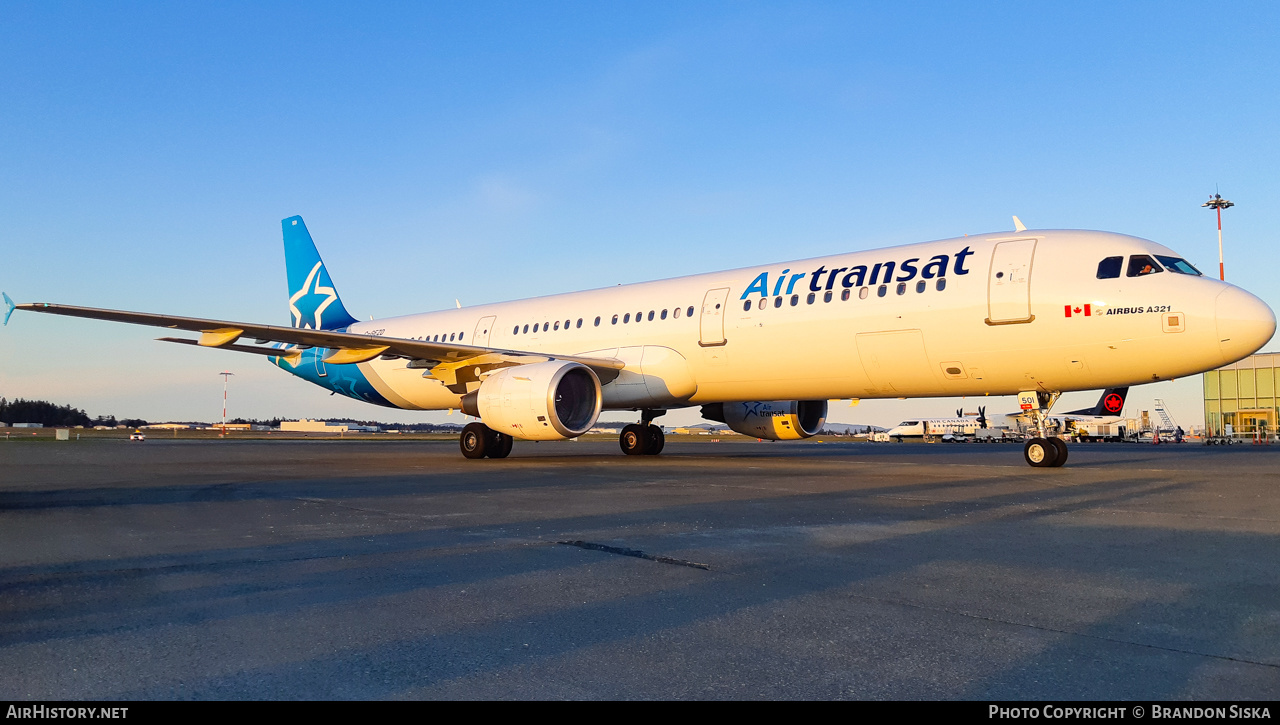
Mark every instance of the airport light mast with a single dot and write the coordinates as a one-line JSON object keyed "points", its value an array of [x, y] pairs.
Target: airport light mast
{"points": [[1217, 202], [225, 375]]}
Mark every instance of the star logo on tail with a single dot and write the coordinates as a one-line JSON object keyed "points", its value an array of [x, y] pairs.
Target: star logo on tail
{"points": [[328, 294]]}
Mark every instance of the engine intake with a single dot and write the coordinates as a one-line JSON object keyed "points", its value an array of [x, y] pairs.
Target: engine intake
{"points": [[778, 420], [544, 401]]}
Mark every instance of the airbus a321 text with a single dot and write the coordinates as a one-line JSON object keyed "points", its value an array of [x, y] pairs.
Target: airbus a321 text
{"points": [[762, 349]]}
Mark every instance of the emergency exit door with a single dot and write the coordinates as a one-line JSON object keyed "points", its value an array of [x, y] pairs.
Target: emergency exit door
{"points": [[1009, 283], [711, 323], [484, 328]]}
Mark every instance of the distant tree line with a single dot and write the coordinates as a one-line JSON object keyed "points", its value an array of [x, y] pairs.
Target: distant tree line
{"points": [[51, 414]]}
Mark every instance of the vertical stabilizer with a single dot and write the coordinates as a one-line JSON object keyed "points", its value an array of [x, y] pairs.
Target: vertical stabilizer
{"points": [[1110, 404], [313, 300]]}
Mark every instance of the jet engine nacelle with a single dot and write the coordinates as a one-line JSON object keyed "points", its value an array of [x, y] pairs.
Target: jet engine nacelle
{"points": [[778, 420], [545, 401]]}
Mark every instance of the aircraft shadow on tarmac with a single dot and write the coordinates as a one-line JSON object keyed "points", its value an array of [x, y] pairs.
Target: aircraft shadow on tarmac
{"points": [[1148, 635]]}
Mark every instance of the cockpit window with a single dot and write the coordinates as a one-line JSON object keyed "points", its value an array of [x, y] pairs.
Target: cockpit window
{"points": [[1142, 264], [908, 423], [1109, 268], [1178, 266]]}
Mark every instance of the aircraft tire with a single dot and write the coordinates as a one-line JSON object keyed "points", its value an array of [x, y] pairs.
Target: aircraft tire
{"points": [[474, 440], [1061, 445], [1039, 453], [633, 440], [657, 440], [499, 444]]}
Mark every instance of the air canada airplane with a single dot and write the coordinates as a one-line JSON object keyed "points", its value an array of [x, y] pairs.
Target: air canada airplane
{"points": [[1107, 410], [762, 349]]}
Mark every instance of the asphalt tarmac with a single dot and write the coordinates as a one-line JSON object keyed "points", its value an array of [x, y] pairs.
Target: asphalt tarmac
{"points": [[371, 570]]}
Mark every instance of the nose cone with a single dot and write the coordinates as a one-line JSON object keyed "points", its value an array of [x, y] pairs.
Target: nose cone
{"points": [[1245, 323]]}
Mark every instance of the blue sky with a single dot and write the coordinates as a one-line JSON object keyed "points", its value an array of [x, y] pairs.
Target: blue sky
{"points": [[489, 151]]}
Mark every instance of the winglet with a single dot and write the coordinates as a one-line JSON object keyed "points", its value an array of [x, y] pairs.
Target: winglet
{"points": [[8, 308], [1018, 226]]}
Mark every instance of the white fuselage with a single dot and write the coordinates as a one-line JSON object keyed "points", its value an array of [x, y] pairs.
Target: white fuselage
{"points": [[1015, 312], [934, 427]]}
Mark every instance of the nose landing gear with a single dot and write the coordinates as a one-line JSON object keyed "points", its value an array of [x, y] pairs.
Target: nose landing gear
{"points": [[1042, 451], [1045, 452]]}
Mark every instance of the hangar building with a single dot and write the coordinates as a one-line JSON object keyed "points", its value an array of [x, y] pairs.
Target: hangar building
{"points": [[1243, 396]]}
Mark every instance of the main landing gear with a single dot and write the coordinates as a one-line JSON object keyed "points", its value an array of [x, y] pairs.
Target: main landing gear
{"points": [[645, 439], [1042, 451], [479, 440]]}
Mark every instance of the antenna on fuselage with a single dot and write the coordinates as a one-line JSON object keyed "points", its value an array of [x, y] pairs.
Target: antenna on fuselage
{"points": [[1018, 226]]}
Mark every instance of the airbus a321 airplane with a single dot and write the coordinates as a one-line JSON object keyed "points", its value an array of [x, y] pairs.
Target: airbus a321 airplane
{"points": [[763, 348]]}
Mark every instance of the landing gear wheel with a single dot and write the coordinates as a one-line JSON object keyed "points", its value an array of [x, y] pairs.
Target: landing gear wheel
{"points": [[1040, 452], [1061, 445], [657, 441], [474, 440], [634, 440], [498, 445]]}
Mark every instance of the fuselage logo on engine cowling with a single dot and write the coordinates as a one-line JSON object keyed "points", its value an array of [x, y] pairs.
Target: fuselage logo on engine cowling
{"points": [[760, 410]]}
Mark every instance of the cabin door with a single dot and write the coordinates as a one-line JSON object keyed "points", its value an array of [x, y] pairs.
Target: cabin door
{"points": [[711, 324], [1009, 283]]}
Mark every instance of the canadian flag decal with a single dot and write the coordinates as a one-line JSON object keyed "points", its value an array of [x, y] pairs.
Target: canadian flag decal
{"points": [[1086, 310]]}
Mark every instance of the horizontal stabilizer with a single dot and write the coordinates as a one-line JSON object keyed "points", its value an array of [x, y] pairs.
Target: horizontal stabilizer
{"points": [[292, 355]]}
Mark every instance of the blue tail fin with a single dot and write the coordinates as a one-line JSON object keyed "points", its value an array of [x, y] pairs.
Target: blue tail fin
{"points": [[313, 300]]}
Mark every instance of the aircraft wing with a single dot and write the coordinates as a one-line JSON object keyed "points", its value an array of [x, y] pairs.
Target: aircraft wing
{"points": [[346, 347]]}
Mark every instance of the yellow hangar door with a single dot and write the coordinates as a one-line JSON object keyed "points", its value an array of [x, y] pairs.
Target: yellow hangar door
{"points": [[1009, 283]]}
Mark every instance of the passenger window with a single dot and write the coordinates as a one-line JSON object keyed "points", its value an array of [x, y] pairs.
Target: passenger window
{"points": [[1141, 265], [941, 285], [597, 321], [557, 324], [810, 299], [516, 331], [747, 306], [677, 313], [845, 295], [650, 315], [566, 324], [689, 312], [920, 286], [639, 316], [579, 323], [1178, 265], [777, 301], [862, 293], [827, 296], [764, 302], [460, 336], [450, 337], [795, 300], [1109, 268], [664, 314], [526, 329], [902, 288], [615, 320], [626, 318], [882, 290]]}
